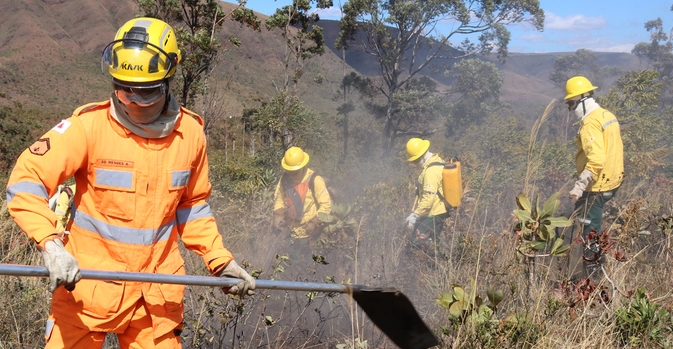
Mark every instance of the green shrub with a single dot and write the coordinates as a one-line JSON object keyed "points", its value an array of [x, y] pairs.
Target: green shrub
{"points": [[644, 323]]}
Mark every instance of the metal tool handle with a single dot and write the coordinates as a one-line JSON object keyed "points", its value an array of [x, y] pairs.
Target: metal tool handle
{"points": [[27, 270]]}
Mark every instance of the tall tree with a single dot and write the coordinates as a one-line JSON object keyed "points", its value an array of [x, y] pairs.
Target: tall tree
{"points": [[196, 23], [404, 36], [303, 39], [659, 51]]}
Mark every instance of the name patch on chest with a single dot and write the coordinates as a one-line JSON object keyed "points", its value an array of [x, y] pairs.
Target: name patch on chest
{"points": [[114, 163]]}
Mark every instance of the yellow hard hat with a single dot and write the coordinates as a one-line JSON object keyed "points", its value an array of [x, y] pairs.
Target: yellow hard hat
{"points": [[416, 147], [578, 85], [144, 50], [294, 159]]}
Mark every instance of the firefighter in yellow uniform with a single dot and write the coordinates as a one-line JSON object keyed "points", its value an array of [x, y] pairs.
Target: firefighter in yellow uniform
{"points": [[429, 210], [300, 195], [599, 162], [141, 170]]}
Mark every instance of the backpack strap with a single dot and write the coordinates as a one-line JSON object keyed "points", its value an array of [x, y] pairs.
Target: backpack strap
{"points": [[311, 187]]}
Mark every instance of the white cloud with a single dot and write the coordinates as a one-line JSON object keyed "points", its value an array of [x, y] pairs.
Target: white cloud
{"points": [[573, 22], [330, 13]]}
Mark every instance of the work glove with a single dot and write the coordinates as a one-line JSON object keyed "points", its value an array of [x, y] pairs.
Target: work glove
{"points": [[279, 220], [244, 287], [411, 220], [581, 185], [62, 266]]}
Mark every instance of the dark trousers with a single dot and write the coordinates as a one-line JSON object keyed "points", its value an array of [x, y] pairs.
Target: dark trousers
{"points": [[589, 209], [588, 215], [429, 227]]}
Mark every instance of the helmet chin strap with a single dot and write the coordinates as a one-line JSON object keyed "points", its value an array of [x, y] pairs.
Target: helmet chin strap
{"points": [[167, 99], [582, 101], [584, 107]]}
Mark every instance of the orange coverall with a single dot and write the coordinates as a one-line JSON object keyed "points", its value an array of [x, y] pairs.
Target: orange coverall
{"points": [[135, 196]]}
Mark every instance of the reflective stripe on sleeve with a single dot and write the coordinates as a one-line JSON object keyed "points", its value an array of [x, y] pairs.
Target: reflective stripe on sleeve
{"points": [[33, 188], [123, 234], [609, 123], [191, 213]]}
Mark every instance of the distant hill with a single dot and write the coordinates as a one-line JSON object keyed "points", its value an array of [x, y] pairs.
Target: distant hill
{"points": [[526, 75], [50, 52]]}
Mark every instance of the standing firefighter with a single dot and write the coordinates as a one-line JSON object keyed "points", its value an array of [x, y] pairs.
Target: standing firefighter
{"points": [[599, 161], [429, 211], [140, 165], [300, 195]]}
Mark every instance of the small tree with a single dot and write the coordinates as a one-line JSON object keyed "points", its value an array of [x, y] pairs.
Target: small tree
{"points": [[536, 231], [583, 62], [645, 129], [474, 94]]}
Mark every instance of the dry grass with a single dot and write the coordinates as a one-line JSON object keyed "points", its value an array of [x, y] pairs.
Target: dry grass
{"points": [[477, 251], [473, 255]]}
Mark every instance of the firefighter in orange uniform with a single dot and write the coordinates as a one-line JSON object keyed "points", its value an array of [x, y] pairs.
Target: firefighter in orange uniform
{"points": [[141, 170]]}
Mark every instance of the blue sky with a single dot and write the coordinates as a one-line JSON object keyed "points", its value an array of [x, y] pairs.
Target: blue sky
{"points": [[597, 25]]}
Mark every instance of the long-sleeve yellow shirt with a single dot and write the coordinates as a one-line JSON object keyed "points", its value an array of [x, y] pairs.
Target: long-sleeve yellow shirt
{"points": [[311, 210], [600, 150], [429, 183]]}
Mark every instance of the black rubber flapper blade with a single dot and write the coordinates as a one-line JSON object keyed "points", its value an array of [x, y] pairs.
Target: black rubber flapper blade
{"points": [[389, 309], [394, 315]]}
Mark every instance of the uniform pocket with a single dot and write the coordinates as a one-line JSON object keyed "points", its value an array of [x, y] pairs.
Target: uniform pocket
{"points": [[99, 299], [177, 183], [115, 192]]}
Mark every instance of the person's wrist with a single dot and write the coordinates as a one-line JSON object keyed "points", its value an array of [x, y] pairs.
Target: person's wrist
{"points": [[41, 243]]}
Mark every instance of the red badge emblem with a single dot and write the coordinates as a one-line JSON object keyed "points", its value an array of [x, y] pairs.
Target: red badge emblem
{"points": [[40, 147]]}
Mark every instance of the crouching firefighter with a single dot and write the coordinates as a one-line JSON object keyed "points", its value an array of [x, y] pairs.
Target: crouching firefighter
{"points": [[300, 195]]}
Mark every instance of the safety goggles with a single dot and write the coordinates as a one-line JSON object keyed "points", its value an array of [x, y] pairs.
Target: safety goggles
{"points": [[572, 104], [142, 95]]}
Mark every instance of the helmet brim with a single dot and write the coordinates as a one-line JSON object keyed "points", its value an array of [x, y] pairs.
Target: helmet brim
{"points": [[425, 145], [288, 167]]}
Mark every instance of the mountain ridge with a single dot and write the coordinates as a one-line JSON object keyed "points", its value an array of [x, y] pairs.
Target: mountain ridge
{"points": [[49, 54]]}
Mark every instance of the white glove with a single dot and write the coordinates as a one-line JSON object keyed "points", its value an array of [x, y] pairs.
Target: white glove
{"points": [[62, 266], [411, 220], [581, 185], [245, 287]]}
